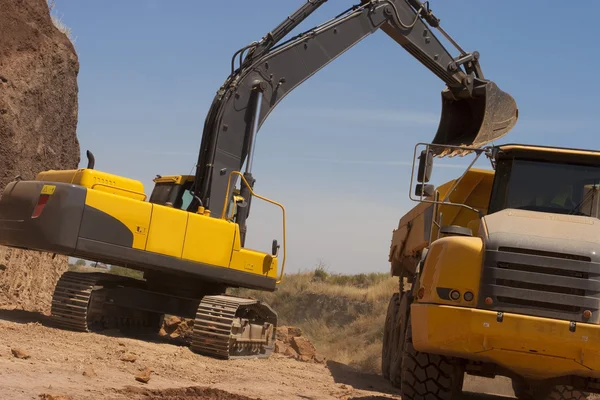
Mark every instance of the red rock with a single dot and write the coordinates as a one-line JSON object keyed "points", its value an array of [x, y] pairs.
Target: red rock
{"points": [[290, 352], [143, 376], [172, 322], [20, 353], [279, 347], [303, 346], [129, 358], [320, 359]]}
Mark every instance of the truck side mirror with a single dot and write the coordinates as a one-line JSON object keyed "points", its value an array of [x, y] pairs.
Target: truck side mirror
{"points": [[424, 190], [425, 166]]}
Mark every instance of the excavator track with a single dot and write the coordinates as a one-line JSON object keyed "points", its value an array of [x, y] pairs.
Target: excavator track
{"points": [[231, 327], [78, 304], [71, 299]]}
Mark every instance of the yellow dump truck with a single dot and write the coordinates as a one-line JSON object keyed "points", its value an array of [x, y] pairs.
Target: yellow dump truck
{"points": [[499, 274]]}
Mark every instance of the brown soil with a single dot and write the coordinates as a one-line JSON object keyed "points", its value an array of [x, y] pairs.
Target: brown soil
{"points": [[40, 361], [90, 366], [194, 392], [38, 119]]}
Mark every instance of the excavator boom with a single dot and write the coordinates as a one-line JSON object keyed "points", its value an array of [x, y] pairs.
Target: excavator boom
{"points": [[474, 110]]}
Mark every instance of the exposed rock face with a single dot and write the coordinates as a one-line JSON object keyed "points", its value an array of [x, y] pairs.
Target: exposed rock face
{"points": [[38, 120]]}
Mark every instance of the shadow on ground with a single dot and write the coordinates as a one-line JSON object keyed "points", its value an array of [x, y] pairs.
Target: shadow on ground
{"points": [[27, 317], [475, 388], [359, 380], [466, 396], [24, 317]]}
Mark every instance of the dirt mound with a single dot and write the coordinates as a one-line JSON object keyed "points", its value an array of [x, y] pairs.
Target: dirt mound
{"points": [[38, 119], [188, 393]]}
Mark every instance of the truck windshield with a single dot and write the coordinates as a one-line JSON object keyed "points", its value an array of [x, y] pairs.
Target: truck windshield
{"points": [[548, 187]]}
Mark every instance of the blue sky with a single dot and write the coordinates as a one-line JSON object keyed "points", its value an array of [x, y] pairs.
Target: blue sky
{"points": [[337, 151]]}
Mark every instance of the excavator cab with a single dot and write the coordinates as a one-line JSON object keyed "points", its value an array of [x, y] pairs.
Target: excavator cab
{"points": [[176, 191], [173, 191]]}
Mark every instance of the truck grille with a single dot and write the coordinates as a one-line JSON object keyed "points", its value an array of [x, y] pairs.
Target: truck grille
{"points": [[541, 283]]}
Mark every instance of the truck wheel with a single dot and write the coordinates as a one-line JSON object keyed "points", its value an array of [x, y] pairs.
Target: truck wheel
{"points": [[429, 376], [399, 333], [521, 389], [387, 348], [559, 392], [564, 392]]}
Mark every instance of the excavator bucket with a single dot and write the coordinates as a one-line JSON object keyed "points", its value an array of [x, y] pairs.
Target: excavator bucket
{"points": [[476, 121]]}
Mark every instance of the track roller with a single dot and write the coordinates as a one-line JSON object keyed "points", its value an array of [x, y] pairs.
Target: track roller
{"points": [[230, 327]]}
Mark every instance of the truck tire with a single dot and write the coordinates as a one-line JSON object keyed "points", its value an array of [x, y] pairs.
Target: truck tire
{"points": [[521, 389], [387, 348], [557, 392], [398, 337], [563, 392], [429, 376]]}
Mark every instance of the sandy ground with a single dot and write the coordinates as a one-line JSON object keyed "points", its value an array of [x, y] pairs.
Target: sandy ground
{"points": [[99, 366]]}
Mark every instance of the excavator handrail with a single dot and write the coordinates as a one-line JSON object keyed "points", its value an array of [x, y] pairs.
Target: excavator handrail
{"points": [[224, 212]]}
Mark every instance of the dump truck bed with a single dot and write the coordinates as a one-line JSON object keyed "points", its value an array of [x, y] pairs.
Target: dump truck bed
{"points": [[415, 227]]}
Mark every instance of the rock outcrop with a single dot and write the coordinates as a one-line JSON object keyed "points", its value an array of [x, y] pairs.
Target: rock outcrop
{"points": [[38, 120]]}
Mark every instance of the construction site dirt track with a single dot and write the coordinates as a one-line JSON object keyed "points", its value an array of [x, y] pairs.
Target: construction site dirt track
{"points": [[38, 361]]}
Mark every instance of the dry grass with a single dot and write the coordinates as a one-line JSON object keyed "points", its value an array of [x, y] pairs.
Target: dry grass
{"points": [[57, 21], [343, 315]]}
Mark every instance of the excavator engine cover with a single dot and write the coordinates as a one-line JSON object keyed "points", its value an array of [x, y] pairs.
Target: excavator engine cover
{"points": [[475, 121]]}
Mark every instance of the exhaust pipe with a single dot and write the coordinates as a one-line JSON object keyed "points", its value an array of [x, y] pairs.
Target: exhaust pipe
{"points": [[91, 159], [476, 120]]}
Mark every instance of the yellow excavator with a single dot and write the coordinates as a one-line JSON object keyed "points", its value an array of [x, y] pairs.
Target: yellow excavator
{"points": [[188, 237]]}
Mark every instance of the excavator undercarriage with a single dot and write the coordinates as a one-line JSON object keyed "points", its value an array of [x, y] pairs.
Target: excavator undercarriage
{"points": [[225, 326]]}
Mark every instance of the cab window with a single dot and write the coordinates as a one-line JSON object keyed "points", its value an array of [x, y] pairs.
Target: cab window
{"points": [[186, 199]]}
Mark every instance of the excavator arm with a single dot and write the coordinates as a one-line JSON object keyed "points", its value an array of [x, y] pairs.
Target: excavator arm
{"points": [[474, 110]]}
